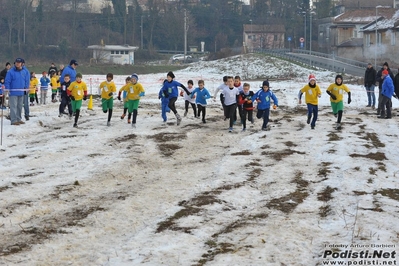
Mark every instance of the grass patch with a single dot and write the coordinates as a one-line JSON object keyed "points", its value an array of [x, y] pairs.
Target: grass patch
{"points": [[377, 156], [290, 144], [324, 170], [373, 138], [326, 194], [392, 193], [244, 152], [279, 155], [167, 149], [169, 224], [333, 137], [324, 211]]}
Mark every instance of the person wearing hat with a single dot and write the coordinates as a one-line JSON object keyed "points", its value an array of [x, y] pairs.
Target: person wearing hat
{"points": [[71, 70], [336, 92], [171, 91], [313, 93], [77, 91], [387, 91], [263, 98], [379, 79], [17, 83], [108, 89], [369, 83], [134, 91]]}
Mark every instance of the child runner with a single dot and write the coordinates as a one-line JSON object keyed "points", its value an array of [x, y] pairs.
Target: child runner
{"points": [[77, 91], [171, 91], [220, 88], [65, 100], [54, 85], [134, 91], [108, 88], [200, 99], [336, 92], [230, 101], [34, 83], [124, 99], [188, 100], [164, 104], [263, 98], [44, 82], [313, 93], [245, 99]]}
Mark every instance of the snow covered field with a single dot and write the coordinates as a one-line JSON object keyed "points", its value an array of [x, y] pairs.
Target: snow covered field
{"points": [[195, 194]]}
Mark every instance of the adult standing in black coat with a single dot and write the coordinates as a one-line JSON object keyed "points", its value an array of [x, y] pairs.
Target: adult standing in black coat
{"points": [[369, 84], [3, 73], [379, 79]]}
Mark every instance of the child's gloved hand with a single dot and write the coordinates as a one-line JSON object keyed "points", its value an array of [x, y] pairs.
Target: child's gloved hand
{"points": [[110, 94], [274, 107]]}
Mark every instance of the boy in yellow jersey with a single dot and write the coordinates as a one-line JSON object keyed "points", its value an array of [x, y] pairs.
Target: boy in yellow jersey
{"points": [[134, 91], [107, 92], [124, 99], [336, 92], [77, 91], [33, 85], [53, 84], [313, 92]]}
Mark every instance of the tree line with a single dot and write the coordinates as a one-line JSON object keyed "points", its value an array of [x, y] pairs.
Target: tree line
{"points": [[48, 31]]}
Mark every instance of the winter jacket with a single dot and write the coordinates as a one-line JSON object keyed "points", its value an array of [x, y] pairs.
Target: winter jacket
{"points": [[246, 100], [379, 77], [387, 87], [396, 84], [370, 77], [201, 97], [44, 82], [17, 81], [69, 70], [263, 99], [170, 89]]}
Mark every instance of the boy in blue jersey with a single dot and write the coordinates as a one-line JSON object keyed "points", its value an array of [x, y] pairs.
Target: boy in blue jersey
{"points": [[170, 90], [200, 99], [263, 97]]}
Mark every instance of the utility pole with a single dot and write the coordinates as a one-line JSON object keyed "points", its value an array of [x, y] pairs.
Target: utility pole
{"points": [[185, 34]]}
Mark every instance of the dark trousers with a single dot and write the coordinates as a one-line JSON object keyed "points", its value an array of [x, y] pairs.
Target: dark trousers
{"points": [[65, 101], [385, 103], [201, 109], [187, 103], [171, 104], [313, 110], [244, 114], [265, 115], [231, 112]]}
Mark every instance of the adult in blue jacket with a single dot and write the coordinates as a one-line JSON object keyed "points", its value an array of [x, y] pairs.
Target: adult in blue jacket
{"points": [[17, 84], [387, 91], [71, 70]]}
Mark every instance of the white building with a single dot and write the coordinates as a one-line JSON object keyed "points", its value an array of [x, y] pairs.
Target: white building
{"points": [[113, 54]]}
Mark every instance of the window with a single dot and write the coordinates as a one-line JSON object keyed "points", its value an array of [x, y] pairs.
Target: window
{"points": [[393, 38], [354, 33], [275, 37], [126, 52], [368, 42], [116, 52], [112, 52], [379, 39]]}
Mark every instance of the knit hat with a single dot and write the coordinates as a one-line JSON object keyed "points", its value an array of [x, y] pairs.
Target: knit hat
{"points": [[79, 75], [265, 83], [170, 74], [134, 75], [73, 62], [339, 77], [312, 77], [386, 64], [385, 72]]}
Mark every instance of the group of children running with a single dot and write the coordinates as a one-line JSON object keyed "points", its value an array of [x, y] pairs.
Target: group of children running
{"points": [[234, 96]]}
